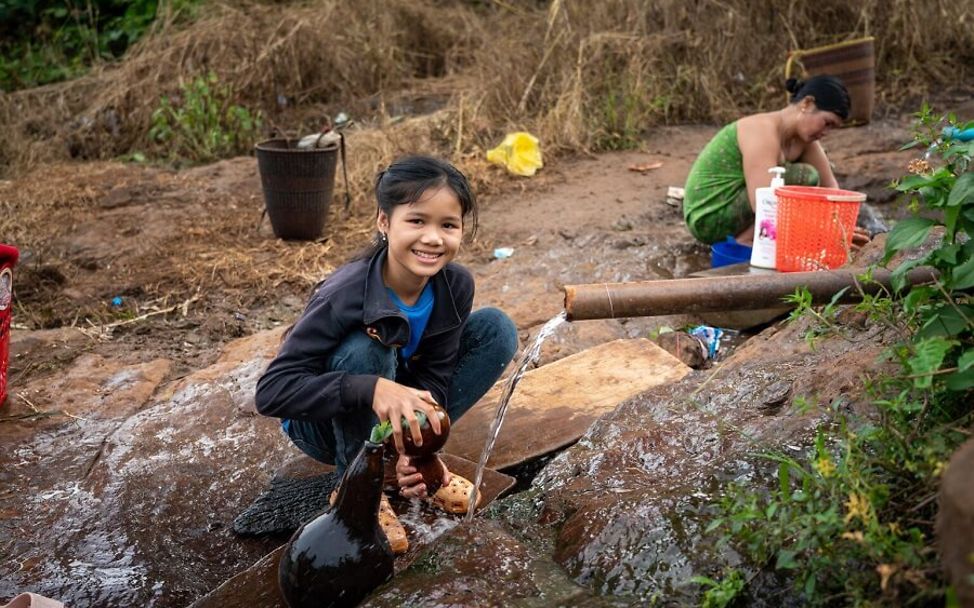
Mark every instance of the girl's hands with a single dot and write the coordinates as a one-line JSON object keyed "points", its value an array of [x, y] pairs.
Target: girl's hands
{"points": [[393, 401], [411, 481]]}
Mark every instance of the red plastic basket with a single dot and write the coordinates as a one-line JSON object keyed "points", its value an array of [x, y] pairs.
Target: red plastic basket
{"points": [[815, 227], [8, 257]]}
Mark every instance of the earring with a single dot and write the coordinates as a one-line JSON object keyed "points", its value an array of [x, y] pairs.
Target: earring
{"points": [[382, 237]]}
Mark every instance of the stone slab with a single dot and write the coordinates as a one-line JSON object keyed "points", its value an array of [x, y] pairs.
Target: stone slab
{"points": [[555, 404]]}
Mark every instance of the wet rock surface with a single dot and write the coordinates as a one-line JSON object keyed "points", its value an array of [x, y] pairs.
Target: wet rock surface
{"points": [[623, 512], [130, 502], [629, 498]]}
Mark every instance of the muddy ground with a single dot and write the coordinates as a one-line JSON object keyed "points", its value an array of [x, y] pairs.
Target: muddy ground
{"points": [[177, 248]]}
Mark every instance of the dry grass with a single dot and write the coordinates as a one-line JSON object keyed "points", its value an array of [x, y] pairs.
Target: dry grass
{"points": [[588, 74], [329, 51], [175, 238], [580, 75]]}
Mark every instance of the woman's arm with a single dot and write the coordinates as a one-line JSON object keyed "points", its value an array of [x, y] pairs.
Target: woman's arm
{"points": [[757, 138], [815, 156]]}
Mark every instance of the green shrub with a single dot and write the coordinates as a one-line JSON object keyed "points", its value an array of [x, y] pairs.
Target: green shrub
{"points": [[202, 124], [943, 348], [64, 39], [722, 593]]}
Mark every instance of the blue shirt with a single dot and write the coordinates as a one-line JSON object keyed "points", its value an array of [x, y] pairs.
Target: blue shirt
{"points": [[418, 315]]}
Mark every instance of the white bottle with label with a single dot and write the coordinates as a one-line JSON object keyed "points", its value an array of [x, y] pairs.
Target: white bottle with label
{"points": [[764, 248]]}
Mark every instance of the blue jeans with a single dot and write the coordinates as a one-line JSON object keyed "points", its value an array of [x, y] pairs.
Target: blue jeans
{"points": [[487, 345]]}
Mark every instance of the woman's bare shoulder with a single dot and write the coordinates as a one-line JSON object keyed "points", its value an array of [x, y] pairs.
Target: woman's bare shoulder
{"points": [[757, 129], [757, 123]]}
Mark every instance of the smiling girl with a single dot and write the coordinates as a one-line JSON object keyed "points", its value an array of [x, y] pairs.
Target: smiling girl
{"points": [[392, 333], [719, 194]]}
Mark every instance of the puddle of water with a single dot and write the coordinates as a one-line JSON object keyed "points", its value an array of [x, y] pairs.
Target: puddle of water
{"points": [[528, 357]]}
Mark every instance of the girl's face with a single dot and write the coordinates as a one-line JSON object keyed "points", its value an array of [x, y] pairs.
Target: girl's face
{"points": [[423, 237]]}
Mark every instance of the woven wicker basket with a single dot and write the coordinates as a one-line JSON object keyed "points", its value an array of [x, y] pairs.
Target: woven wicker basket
{"points": [[298, 185], [853, 62]]}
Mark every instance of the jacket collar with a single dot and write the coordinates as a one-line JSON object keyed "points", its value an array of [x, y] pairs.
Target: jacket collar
{"points": [[378, 306]]}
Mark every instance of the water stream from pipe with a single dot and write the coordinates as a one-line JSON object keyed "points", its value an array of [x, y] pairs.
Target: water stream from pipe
{"points": [[528, 357]]}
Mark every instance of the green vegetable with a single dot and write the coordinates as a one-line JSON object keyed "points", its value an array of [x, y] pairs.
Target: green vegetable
{"points": [[381, 432], [420, 415]]}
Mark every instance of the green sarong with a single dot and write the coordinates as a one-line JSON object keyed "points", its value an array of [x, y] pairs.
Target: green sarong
{"points": [[715, 200]]}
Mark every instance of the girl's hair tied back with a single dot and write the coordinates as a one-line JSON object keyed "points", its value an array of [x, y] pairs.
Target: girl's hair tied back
{"points": [[792, 85]]}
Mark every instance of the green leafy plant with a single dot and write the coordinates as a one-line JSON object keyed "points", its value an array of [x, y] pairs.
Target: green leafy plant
{"points": [[722, 593], [383, 430], [802, 301], [624, 111], [943, 190], [850, 521], [202, 123], [52, 41]]}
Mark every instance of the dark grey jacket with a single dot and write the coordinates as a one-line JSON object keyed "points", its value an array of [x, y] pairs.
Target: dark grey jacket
{"points": [[296, 384]]}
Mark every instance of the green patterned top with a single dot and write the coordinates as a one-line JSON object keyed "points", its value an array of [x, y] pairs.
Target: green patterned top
{"points": [[713, 188]]}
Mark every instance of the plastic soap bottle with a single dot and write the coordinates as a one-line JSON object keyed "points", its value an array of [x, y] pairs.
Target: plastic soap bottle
{"points": [[766, 221]]}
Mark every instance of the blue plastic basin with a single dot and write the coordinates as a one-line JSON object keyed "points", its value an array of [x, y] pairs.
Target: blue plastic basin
{"points": [[728, 252]]}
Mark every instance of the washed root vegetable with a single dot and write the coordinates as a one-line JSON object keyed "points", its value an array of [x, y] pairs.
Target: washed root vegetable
{"points": [[431, 468], [423, 457]]}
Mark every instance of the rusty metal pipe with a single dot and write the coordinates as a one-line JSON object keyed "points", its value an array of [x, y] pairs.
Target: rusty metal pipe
{"points": [[713, 294]]}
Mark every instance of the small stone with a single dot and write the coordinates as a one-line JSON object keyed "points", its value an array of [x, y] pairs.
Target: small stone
{"points": [[775, 395], [684, 347], [622, 224]]}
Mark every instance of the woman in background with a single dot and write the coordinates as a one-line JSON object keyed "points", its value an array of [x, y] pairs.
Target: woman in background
{"points": [[719, 195]]}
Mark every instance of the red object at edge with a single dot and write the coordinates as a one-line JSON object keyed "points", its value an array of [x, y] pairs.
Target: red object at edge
{"points": [[8, 257]]}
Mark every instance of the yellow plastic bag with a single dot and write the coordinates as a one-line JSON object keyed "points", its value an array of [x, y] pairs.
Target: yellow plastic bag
{"points": [[520, 152]]}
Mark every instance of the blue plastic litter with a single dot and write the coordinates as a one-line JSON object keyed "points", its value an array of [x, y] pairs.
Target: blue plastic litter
{"points": [[710, 337], [958, 134], [728, 252], [117, 301]]}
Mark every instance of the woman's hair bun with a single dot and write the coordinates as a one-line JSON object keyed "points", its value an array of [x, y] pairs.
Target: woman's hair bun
{"points": [[793, 84]]}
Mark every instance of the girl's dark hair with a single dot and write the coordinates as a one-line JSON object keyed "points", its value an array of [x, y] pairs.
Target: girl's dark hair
{"points": [[408, 178], [829, 93]]}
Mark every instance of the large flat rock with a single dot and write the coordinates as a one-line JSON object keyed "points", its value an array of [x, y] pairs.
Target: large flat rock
{"points": [[555, 404], [123, 492]]}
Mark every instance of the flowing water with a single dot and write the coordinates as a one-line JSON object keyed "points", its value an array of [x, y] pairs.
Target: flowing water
{"points": [[528, 357]]}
